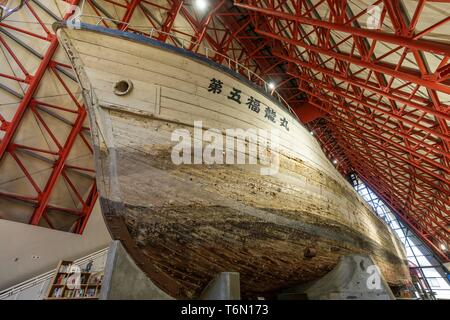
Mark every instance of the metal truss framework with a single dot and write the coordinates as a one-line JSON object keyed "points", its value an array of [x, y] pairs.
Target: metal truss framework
{"points": [[383, 119], [388, 118], [31, 81]]}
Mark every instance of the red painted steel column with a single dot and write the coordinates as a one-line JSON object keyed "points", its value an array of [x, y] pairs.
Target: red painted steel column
{"points": [[128, 14], [170, 20], [44, 197]]}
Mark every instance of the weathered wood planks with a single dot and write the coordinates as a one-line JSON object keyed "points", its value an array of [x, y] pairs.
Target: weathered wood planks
{"points": [[191, 221]]}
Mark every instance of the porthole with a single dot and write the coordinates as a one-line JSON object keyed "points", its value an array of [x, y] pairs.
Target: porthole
{"points": [[123, 87]]}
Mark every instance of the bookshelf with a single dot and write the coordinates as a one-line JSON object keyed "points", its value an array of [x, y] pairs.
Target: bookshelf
{"points": [[62, 285]]}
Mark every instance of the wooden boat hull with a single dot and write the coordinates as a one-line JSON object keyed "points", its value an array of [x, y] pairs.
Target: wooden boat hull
{"points": [[185, 223]]}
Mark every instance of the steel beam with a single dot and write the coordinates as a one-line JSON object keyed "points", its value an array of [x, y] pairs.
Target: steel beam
{"points": [[423, 45]]}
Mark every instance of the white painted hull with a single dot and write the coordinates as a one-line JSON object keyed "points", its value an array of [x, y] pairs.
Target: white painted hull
{"points": [[184, 223]]}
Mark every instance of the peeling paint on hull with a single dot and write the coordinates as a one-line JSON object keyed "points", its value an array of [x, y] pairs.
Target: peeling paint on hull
{"points": [[185, 223]]}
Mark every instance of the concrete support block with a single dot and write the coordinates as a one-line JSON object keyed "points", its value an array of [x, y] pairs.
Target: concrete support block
{"points": [[226, 286], [356, 277], [123, 280]]}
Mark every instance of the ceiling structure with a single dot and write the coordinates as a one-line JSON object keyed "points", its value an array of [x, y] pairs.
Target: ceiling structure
{"points": [[370, 79]]}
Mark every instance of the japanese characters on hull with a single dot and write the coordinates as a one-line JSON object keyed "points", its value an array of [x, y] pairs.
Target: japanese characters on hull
{"points": [[184, 223], [216, 87]]}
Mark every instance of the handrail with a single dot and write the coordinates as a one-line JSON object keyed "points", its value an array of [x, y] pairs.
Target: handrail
{"points": [[232, 64], [46, 276]]}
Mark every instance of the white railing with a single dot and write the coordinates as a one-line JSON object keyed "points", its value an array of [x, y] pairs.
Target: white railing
{"points": [[208, 53], [43, 280]]}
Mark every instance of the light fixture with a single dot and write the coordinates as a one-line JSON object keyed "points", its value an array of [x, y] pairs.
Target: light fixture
{"points": [[312, 133], [443, 247], [201, 4], [335, 161], [271, 85]]}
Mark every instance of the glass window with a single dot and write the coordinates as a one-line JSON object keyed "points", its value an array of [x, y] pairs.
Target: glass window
{"points": [[417, 252], [434, 283]]}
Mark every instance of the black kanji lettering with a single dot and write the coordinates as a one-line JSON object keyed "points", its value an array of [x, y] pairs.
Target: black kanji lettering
{"points": [[284, 123], [215, 86], [253, 104], [270, 114], [235, 95]]}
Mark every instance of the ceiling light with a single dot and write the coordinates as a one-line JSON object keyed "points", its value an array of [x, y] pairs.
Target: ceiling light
{"points": [[271, 85], [335, 161], [201, 4], [443, 247], [312, 133]]}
